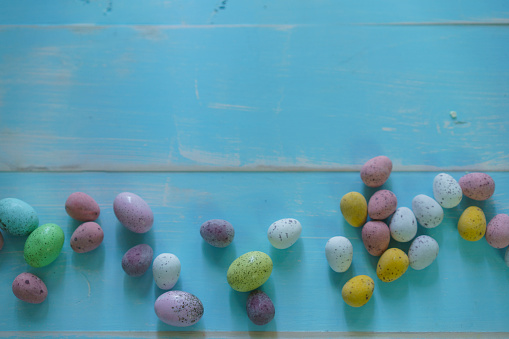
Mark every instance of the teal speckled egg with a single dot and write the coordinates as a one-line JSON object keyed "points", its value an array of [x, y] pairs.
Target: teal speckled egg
{"points": [[44, 245], [249, 271], [17, 217]]}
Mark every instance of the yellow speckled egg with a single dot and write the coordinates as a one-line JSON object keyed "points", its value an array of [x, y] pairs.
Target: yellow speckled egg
{"points": [[249, 271], [392, 265], [358, 290], [354, 208], [472, 224]]}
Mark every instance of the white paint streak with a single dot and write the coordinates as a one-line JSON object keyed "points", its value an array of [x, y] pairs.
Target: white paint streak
{"points": [[388, 129], [210, 158], [438, 129], [196, 89], [232, 107]]}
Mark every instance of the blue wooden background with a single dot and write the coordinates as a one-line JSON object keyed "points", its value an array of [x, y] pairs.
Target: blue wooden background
{"points": [[251, 111]]}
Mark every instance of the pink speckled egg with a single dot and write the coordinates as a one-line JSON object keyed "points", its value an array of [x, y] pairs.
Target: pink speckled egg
{"points": [[29, 288], [376, 171], [382, 204], [376, 237], [178, 308], [497, 231], [82, 207], [87, 237], [477, 186], [133, 212]]}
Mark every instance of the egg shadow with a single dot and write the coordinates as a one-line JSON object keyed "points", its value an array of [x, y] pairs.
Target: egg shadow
{"points": [[127, 239], [394, 290], [368, 192], [288, 256], [339, 279], [138, 287], [90, 261], [32, 313], [73, 224], [360, 318], [221, 257], [470, 250], [238, 303], [425, 277], [158, 291]]}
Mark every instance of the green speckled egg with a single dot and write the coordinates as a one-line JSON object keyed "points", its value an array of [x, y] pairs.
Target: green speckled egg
{"points": [[17, 217], [249, 271], [44, 245]]}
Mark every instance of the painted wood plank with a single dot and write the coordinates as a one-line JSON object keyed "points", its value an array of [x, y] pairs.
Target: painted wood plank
{"points": [[463, 291]]}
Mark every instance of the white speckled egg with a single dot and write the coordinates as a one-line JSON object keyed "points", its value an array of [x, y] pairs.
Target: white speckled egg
{"points": [[427, 211], [284, 233], [339, 253], [447, 191], [166, 270], [422, 252], [403, 225]]}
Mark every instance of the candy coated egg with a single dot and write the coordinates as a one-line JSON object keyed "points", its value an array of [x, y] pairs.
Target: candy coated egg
{"points": [[472, 224], [284, 233], [43, 245], [166, 270], [339, 253], [17, 217], [133, 212], [82, 207], [376, 237], [249, 271], [422, 252], [427, 211], [29, 288], [382, 204], [392, 265], [497, 231], [403, 225], [477, 186], [217, 232], [447, 191], [178, 308], [358, 290], [376, 171], [87, 237], [137, 260], [260, 308], [354, 208]]}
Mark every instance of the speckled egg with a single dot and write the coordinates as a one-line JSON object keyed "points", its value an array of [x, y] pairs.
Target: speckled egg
{"points": [[403, 225], [87, 237], [477, 186], [82, 207], [217, 232], [447, 191], [178, 308], [382, 204], [354, 208], [133, 212], [44, 245], [376, 171], [339, 253], [166, 270], [472, 224], [1, 241], [376, 237], [17, 217], [427, 211], [497, 231], [392, 265], [249, 271], [358, 290], [284, 233], [137, 260], [29, 288], [422, 252], [260, 308]]}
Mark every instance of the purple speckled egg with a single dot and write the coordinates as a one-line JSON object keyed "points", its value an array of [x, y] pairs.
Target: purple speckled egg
{"points": [[376, 236], [87, 237], [477, 186], [133, 212], [376, 171], [260, 308], [29, 288], [137, 260], [382, 204], [217, 232], [178, 308], [497, 231], [1, 241], [82, 207]]}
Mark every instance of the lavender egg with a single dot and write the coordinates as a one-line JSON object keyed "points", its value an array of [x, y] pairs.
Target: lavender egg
{"points": [[217, 232], [382, 204], [178, 308], [29, 288], [137, 260], [260, 308], [87, 237], [133, 212]]}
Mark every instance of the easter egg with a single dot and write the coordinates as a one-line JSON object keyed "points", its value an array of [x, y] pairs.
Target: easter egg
{"points": [[259, 307], [472, 224], [447, 191], [217, 232], [477, 186], [284, 233], [87, 237], [17, 217], [382, 204], [358, 290], [44, 245], [249, 271], [133, 212], [29, 288], [427, 211], [178, 308], [497, 231], [137, 260], [376, 171], [82, 207], [403, 225], [339, 253], [166, 270], [422, 252], [354, 208], [376, 237], [392, 265]]}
